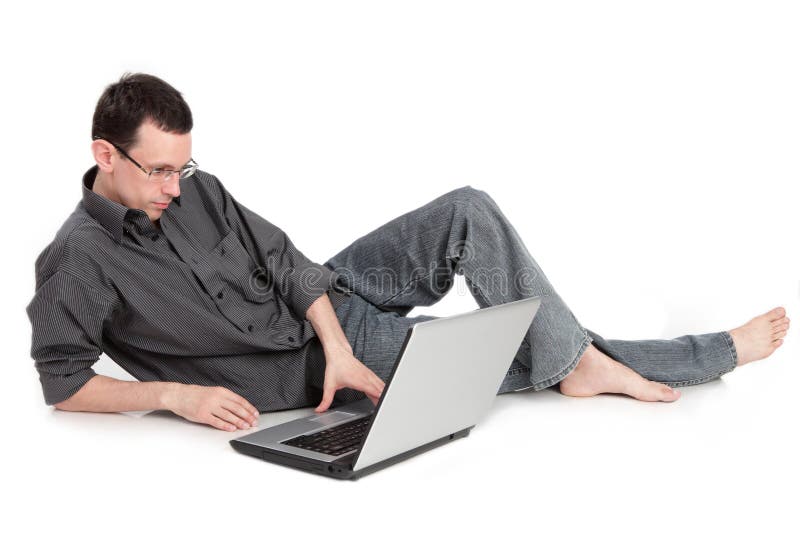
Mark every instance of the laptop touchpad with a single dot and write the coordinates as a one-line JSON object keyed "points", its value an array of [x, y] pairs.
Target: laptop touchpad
{"points": [[332, 417]]}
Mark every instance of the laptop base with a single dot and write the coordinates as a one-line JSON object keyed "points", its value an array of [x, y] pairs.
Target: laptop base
{"points": [[341, 468]]}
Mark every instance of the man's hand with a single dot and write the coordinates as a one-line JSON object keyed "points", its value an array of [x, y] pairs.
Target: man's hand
{"points": [[342, 369], [213, 405]]}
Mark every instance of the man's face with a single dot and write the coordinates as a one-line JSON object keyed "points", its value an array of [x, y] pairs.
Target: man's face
{"points": [[155, 148]]}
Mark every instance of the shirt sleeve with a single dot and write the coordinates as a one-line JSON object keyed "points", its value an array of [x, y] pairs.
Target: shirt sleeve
{"points": [[67, 317], [297, 280]]}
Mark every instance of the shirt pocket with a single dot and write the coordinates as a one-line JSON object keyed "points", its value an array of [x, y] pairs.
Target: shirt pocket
{"points": [[243, 273]]}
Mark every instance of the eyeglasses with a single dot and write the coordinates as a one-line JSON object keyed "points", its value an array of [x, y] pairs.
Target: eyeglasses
{"points": [[158, 174]]}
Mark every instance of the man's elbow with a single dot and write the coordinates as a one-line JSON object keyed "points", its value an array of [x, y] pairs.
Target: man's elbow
{"points": [[74, 402], [68, 405]]}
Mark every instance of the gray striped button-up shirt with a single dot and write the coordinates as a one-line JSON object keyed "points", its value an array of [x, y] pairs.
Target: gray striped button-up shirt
{"points": [[212, 295]]}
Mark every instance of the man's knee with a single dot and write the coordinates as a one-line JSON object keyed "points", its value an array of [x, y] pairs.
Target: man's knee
{"points": [[475, 200], [471, 195]]}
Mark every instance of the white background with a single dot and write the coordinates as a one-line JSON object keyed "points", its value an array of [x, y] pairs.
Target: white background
{"points": [[646, 152]]}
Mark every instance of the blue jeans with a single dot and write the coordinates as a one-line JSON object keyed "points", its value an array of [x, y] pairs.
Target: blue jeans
{"points": [[412, 261]]}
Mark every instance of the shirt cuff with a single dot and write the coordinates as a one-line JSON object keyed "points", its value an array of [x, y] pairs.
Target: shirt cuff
{"points": [[305, 284], [58, 388]]}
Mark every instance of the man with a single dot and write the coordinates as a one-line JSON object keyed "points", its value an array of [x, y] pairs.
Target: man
{"points": [[219, 316]]}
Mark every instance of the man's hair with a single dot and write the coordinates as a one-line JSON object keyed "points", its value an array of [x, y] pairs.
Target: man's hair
{"points": [[124, 105]]}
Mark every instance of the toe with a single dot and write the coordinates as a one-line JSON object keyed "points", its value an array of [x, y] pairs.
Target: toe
{"points": [[668, 394], [776, 313], [655, 392], [779, 335], [780, 322], [777, 343]]}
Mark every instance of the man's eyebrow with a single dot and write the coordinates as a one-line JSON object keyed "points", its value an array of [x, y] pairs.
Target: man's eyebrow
{"points": [[161, 164]]}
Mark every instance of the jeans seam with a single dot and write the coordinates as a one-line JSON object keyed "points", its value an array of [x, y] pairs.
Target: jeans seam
{"points": [[523, 368], [401, 290], [716, 374], [430, 273], [693, 381], [542, 384], [731, 347], [464, 205]]}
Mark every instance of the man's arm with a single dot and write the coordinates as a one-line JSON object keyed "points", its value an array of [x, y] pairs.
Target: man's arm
{"points": [[211, 405], [323, 318], [67, 317], [304, 286], [106, 394]]}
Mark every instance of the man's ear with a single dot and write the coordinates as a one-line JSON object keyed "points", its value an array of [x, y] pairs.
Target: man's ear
{"points": [[102, 151]]}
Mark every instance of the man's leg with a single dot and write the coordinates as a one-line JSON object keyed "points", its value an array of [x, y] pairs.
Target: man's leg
{"points": [[597, 373], [413, 259], [682, 361]]}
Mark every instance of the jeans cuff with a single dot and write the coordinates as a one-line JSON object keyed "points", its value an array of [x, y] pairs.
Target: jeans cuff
{"points": [[731, 347], [720, 370], [587, 339]]}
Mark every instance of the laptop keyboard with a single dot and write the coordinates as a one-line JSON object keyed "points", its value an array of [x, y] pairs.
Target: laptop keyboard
{"points": [[337, 440]]}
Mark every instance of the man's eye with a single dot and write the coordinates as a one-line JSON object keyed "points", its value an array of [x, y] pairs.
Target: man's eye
{"points": [[162, 171]]}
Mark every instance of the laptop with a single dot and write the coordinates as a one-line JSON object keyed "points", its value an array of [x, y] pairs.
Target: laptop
{"points": [[443, 382]]}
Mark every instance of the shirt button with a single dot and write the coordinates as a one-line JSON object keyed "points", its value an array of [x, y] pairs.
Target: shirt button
{"points": [[219, 295], [155, 237], [291, 339], [249, 328]]}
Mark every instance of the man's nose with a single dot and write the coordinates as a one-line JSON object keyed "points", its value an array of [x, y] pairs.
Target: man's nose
{"points": [[172, 188]]}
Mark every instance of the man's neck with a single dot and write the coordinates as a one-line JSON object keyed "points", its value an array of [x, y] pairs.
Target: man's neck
{"points": [[101, 186]]}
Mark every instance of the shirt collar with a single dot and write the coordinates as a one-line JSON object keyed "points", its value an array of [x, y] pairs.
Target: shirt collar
{"points": [[108, 213]]}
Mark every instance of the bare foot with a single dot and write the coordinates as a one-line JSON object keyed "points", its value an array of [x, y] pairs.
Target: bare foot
{"points": [[760, 336], [597, 373]]}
